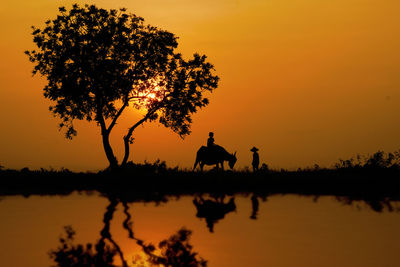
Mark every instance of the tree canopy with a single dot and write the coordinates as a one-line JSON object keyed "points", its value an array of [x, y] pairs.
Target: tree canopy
{"points": [[100, 62]]}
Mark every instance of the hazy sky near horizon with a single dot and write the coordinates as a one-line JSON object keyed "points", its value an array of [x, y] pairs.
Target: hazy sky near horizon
{"points": [[305, 81]]}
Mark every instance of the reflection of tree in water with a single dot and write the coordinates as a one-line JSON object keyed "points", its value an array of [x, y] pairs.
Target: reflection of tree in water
{"points": [[174, 251], [70, 255], [213, 210]]}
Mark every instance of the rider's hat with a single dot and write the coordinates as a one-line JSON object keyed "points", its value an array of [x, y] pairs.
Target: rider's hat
{"points": [[254, 149]]}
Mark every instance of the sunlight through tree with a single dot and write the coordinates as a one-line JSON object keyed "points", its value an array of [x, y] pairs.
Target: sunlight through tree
{"points": [[99, 62]]}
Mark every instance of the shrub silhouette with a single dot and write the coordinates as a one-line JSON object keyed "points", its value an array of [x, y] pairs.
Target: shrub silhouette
{"points": [[378, 160]]}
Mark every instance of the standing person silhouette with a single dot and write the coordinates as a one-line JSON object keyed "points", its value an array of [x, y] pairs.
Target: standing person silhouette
{"points": [[256, 158], [210, 140]]}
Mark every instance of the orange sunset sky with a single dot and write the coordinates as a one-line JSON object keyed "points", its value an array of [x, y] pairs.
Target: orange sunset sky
{"points": [[305, 81]]}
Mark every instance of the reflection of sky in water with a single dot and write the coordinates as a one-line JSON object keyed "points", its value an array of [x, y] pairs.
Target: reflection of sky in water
{"points": [[289, 231]]}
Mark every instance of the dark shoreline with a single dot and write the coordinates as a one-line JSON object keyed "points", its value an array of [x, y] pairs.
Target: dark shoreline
{"points": [[378, 184]]}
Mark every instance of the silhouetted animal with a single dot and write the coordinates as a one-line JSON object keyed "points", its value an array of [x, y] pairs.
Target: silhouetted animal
{"points": [[213, 210], [214, 155]]}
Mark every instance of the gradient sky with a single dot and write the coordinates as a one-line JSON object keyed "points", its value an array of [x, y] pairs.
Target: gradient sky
{"points": [[305, 81]]}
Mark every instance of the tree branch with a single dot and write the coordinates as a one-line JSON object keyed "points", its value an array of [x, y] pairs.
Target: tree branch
{"points": [[99, 114], [100, 119], [137, 97], [145, 118], [114, 121]]}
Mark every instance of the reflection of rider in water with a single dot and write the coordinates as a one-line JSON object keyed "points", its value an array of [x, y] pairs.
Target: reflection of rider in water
{"points": [[213, 210], [210, 140]]}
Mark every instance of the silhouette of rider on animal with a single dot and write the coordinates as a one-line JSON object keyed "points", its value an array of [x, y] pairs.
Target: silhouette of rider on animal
{"points": [[213, 154]]}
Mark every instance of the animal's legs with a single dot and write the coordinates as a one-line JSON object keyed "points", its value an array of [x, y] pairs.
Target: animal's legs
{"points": [[195, 164]]}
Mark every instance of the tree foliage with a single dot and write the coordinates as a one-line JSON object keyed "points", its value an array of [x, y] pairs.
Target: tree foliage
{"points": [[98, 62]]}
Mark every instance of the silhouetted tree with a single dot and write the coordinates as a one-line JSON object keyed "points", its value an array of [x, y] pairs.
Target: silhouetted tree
{"points": [[98, 62]]}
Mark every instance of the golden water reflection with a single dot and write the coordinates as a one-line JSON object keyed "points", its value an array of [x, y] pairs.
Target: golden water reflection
{"points": [[289, 230]]}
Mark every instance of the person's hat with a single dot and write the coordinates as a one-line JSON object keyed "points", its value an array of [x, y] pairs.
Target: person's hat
{"points": [[210, 133], [254, 149]]}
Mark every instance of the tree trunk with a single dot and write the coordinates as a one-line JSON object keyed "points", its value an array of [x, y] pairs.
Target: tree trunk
{"points": [[105, 133], [108, 150], [126, 145], [128, 136]]}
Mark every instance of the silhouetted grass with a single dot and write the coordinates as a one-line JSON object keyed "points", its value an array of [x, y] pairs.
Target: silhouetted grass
{"points": [[374, 177]]}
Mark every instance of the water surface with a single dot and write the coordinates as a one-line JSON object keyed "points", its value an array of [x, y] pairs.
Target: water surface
{"points": [[286, 231]]}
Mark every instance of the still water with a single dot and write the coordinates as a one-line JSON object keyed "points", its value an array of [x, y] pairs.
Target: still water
{"points": [[287, 230]]}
